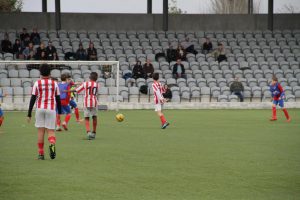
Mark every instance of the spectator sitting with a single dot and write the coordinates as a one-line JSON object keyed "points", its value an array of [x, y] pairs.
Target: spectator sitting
{"points": [[180, 53], [219, 53], [92, 52], [24, 35], [6, 45], [167, 94], [148, 69], [237, 89], [178, 69], [80, 53], [207, 46], [43, 56], [171, 54], [138, 71], [35, 37], [188, 46], [39, 50], [29, 52], [50, 50], [18, 50]]}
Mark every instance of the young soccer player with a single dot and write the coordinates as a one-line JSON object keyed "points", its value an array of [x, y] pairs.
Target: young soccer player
{"points": [[64, 86], [159, 100], [46, 93], [90, 103], [278, 96], [73, 103], [1, 112]]}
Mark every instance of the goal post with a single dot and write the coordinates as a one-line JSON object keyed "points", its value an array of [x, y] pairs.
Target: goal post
{"points": [[16, 69]]}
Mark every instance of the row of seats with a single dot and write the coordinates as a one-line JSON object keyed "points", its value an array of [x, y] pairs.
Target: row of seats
{"points": [[159, 34], [132, 94]]}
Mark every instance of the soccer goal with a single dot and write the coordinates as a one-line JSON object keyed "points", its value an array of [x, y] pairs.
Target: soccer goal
{"points": [[17, 78]]}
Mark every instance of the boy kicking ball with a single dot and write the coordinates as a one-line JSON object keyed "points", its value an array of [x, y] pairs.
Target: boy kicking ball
{"points": [[159, 100], [90, 103], [45, 93]]}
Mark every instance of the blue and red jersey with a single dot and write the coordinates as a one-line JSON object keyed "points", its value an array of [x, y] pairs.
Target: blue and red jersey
{"points": [[277, 91], [64, 96]]}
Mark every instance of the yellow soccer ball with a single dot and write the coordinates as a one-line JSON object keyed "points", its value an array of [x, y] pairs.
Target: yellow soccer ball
{"points": [[120, 117]]}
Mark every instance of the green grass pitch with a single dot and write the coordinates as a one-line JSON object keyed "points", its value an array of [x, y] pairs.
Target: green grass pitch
{"points": [[203, 154]]}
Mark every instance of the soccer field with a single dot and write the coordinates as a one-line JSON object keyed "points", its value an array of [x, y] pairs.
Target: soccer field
{"points": [[203, 154]]}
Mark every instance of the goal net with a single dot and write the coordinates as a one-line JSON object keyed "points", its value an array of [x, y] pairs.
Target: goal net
{"points": [[17, 78]]}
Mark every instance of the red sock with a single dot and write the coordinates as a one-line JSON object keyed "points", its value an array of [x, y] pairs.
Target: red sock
{"points": [[41, 148], [87, 125], [58, 120], [67, 118], [94, 124], [286, 113], [1, 120], [274, 112], [77, 113], [163, 119], [52, 139]]}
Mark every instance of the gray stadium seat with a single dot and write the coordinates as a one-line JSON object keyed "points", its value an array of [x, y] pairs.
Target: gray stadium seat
{"points": [[133, 94], [205, 94]]}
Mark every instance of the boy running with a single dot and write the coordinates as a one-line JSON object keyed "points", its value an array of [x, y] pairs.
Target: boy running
{"points": [[277, 93], [64, 86], [46, 92], [159, 100], [90, 104], [73, 103], [1, 111]]}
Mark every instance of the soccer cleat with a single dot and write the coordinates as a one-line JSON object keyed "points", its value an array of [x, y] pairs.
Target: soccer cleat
{"points": [[52, 151], [64, 125], [41, 157], [58, 128], [93, 135], [165, 125], [273, 119]]}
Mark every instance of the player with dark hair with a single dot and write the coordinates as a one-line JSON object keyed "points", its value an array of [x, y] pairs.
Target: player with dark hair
{"points": [[159, 100], [45, 92], [64, 86], [277, 93], [1, 112], [73, 103], [90, 103]]}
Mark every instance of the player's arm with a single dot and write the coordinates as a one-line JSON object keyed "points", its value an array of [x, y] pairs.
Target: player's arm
{"points": [[31, 104], [282, 94]]}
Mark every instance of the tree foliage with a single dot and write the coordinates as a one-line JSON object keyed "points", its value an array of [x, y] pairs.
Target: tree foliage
{"points": [[232, 6], [173, 8], [11, 5]]}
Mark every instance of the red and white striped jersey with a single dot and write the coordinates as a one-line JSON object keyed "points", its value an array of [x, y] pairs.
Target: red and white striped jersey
{"points": [[45, 90], [90, 93], [157, 91]]}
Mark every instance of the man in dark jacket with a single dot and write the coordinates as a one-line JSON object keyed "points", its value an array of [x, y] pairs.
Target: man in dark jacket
{"points": [[237, 89], [50, 51], [178, 69]]}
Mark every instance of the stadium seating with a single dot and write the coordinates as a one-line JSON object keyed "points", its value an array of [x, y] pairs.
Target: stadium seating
{"points": [[254, 56]]}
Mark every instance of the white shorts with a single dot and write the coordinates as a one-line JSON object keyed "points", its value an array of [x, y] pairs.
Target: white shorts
{"points": [[89, 112], [158, 107], [45, 118]]}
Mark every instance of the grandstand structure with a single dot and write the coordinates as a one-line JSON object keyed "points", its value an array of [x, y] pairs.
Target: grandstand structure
{"points": [[252, 55]]}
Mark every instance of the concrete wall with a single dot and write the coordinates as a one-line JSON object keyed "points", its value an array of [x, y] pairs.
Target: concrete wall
{"points": [[79, 21]]}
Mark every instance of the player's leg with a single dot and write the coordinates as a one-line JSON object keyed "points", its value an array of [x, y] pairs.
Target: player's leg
{"points": [[86, 113], [281, 104], [1, 117], [58, 122], [163, 120], [76, 110], [40, 143], [274, 116], [67, 118], [40, 118], [50, 127], [94, 114]]}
